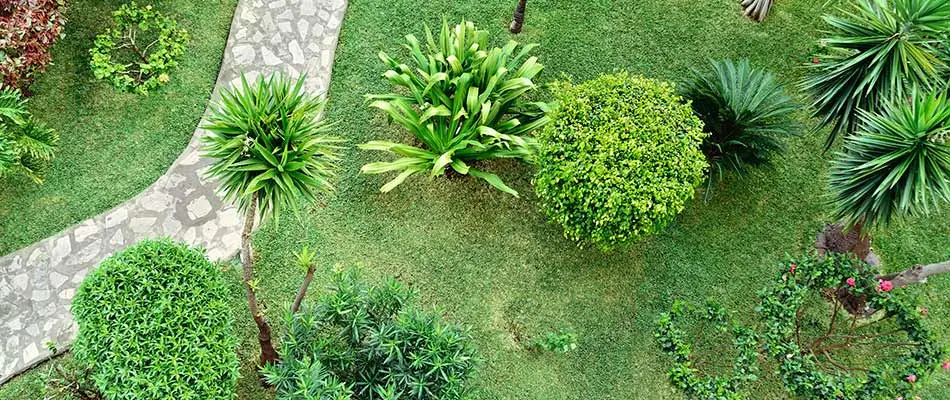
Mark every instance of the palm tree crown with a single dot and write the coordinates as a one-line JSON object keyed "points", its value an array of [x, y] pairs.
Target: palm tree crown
{"points": [[269, 144]]}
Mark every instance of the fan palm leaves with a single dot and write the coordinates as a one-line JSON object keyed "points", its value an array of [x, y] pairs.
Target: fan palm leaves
{"points": [[26, 145], [268, 142], [746, 112], [879, 48], [898, 163], [463, 101]]}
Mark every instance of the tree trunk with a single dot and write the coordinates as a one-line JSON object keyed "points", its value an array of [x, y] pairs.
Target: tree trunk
{"points": [[757, 9], [268, 353], [303, 289], [517, 21], [917, 274], [834, 239]]}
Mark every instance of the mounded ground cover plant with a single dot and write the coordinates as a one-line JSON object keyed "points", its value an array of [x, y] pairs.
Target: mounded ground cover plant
{"points": [[619, 160], [155, 323]]}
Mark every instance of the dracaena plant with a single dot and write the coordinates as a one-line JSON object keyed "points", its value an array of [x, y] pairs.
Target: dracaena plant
{"points": [[269, 148], [464, 101], [877, 50]]}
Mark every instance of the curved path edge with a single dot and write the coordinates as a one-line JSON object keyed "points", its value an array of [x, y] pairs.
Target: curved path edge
{"points": [[38, 282]]}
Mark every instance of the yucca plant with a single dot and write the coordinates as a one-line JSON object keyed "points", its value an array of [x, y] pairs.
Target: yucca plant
{"points": [[876, 50], [745, 111], [897, 164], [463, 101], [269, 148], [26, 145]]}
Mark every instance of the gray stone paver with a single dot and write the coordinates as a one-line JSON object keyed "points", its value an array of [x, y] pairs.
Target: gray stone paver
{"points": [[37, 283]]}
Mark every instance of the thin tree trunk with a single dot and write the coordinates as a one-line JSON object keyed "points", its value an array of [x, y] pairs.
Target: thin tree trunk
{"points": [[757, 9], [268, 353], [917, 274], [302, 292], [517, 21]]}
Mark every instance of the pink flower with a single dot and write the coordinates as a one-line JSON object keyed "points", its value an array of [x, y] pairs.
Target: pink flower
{"points": [[911, 378], [884, 286], [946, 366], [815, 60], [900, 398], [793, 268], [851, 282], [924, 311]]}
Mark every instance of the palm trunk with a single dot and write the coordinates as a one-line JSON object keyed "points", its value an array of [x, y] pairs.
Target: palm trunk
{"points": [[268, 353], [757, 9], [917, 274], [302, 292], [517, 21]]}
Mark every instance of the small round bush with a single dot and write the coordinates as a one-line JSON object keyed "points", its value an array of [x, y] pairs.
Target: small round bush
{"points": [[154, 323], [138, 52], [619, 160]]}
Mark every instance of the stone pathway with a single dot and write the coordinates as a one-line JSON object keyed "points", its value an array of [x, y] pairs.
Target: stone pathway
{"points": [[37, 283]]}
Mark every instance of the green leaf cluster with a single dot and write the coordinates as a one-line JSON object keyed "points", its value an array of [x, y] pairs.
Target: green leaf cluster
{"points": [[269, 144], [26, 146], [463, 101], [137, 53], [745, 111], [371, 342], [155, 323], [876, 50], [619, 160]]}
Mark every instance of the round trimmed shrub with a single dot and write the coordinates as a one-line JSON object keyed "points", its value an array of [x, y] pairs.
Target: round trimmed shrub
{"points": [[619, 160], [154, 323]]}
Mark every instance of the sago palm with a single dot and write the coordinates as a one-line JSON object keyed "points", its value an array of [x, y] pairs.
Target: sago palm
{"points": [[746, 112], [463, 101], [269, 148], [897, 164], [879, 48]]}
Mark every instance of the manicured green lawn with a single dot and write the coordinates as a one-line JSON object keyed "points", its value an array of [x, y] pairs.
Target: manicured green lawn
{"points": [[112, 145], [491, 261]]}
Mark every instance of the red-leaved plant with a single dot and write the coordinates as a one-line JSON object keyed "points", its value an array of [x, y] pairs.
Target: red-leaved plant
{"points": [[28, 29]]}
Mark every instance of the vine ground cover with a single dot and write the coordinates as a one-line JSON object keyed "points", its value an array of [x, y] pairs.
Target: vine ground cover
{"points": [[493, 262]]}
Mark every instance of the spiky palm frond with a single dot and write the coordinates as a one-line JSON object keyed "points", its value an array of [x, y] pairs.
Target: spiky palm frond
{"points": [[879, 48], [464, 101], [746, 112], [268, 142], [898, 163], [12, 106], [26, 145]]}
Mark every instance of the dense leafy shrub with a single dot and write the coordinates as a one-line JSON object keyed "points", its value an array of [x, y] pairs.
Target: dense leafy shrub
{"points": [[28, 29], [26, 145], [876, 49], [619, 160], [138, 52], [744, 110], [371, 342], [154, 323], [464, 101]]}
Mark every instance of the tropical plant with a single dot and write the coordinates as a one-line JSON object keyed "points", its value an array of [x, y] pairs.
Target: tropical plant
{"points": [[619, 160], [26, 146], [138, 52], [269, 148], [463, 101], [363, 341], [876, 50], [155, 323], [28, 29], [744, 110], [898, 162]]}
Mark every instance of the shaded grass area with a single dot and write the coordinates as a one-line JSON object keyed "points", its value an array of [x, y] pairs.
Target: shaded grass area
{"points": [[491, 261], [112, 144]]}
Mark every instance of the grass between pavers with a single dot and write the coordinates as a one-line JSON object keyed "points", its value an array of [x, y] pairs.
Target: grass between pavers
{"points": [[493, 262], [112, 144]]}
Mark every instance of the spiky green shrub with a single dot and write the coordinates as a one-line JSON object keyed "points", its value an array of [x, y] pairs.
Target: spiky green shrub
{"points": [[464, 101], [26, 146], [745, 111], [877, 48], [155, 323], [620, 159], [371, 342], [898, 162]]}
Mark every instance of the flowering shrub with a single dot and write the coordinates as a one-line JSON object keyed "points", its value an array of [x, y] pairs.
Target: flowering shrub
{"points": [[684, 375], [619, 160], [28, 28], [139, 51]]}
